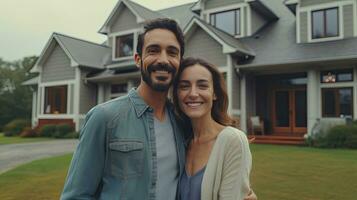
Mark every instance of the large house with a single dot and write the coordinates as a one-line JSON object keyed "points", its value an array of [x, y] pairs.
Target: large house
{"points": [[290, 62]]}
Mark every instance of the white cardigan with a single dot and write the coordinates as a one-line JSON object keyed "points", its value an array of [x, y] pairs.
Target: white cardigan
{"points": [[226, 176]]}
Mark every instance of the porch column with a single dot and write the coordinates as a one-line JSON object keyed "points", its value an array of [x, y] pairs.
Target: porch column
{"points": [[34, 108], [312, 99], [243, 104], [100, 93]]}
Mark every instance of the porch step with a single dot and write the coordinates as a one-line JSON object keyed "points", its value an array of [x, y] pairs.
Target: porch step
{"points": [[280, 140]]}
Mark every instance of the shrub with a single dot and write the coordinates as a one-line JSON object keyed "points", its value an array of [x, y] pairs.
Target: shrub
{"points": [[15, 127], [342, 136], [48, 130], [72, 134], [29, 132], [62, 130]]}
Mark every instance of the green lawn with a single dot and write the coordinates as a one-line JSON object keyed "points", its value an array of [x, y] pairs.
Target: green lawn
{"points": [[279, 173], [17, 139]]}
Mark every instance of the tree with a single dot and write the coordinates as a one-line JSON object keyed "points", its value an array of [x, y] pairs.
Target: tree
{"points": [[15, 98]]}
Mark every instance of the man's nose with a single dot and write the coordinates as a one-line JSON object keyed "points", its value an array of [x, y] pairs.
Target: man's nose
{"points": [[163, 58]]}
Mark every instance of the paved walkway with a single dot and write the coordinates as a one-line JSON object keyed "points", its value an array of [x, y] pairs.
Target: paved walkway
{"points": [[12, 155]]}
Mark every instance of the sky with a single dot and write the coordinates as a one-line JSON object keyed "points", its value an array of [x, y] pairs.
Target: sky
{"points": [[26, 25]]}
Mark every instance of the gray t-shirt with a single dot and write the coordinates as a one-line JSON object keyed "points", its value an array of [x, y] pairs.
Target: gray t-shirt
{"points": [[167, 160]]}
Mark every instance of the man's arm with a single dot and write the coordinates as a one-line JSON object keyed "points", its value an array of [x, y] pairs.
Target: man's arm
{"points": [[86, 169], [251, 196]]}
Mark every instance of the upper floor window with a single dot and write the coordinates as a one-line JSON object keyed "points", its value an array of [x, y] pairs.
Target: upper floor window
{"points": [[334, 76], [325, 23], [124, 45], [228, 21]]}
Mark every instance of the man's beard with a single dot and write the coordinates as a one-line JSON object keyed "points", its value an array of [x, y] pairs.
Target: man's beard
{"points": [[160, 87]]}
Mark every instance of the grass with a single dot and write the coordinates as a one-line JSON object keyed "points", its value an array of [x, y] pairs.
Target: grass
{"points": [[38, 180], [301, 173], [279, 173], [17, 139]]}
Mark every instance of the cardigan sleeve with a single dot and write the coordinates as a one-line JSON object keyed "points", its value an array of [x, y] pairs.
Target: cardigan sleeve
{"points": [[237, 165]]}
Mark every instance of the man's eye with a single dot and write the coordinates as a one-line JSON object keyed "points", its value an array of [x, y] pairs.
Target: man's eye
{"points": [[152, 50]]}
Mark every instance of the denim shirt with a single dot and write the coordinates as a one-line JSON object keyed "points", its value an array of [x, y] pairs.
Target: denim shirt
{"points": [[116, 156]]}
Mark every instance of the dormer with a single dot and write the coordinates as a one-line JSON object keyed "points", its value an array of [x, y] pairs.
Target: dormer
{"points": [[123, 26], [239, 18], [324, 20]]}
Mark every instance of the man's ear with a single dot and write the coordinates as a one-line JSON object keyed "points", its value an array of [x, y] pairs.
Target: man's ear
{"points": [[137, 59]]}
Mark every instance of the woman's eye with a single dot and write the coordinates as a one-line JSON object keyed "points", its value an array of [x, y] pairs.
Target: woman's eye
{"points": [[203, 86], [183, 87]]}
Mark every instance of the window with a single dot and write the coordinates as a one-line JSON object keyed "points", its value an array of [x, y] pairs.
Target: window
{"points": [[337, 102], [228, 21], [334, 76], [124, 45], [325, 23], [56, 100]]}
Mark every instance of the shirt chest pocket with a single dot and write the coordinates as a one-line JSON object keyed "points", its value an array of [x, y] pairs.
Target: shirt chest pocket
{"points": [[127, 157]]}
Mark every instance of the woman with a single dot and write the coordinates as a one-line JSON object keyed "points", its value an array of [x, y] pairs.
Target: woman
{"points": [[218, 159]]}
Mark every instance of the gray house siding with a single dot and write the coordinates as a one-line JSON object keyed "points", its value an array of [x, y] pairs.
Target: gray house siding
{"points": [[88, 94], [200, 44], [315, 2], [348, 20], [125, 20], [57, 67], [245, 22], [303, 27], [257, 21], [235, 92], [218, 3]]}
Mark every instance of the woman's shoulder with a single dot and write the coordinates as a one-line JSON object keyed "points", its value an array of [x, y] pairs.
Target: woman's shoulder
{"points": [[232, 136]]}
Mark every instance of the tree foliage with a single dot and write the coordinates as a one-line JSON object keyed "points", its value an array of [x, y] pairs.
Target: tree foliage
{"points": [[15, 98]]}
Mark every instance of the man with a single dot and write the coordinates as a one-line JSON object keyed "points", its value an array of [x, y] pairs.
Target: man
{"points": [[131, 147]]}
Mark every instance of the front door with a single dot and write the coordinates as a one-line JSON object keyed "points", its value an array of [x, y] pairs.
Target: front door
{"points": [[289, 111]]}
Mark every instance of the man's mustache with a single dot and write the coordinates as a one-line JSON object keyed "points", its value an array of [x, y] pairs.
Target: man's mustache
{"points": [[161, 67]]}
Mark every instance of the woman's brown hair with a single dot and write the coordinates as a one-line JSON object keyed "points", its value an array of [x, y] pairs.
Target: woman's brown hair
{"points": [[220, 105]]}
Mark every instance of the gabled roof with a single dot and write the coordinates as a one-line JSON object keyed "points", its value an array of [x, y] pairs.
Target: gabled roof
{"points": [[276, 44], [257, 5], [228, 42], [80, 52], [182, 14], [142, 14], [32, 81]]}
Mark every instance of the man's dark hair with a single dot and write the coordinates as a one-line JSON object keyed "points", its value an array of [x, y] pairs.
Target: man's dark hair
{"points": [[162, 23]]}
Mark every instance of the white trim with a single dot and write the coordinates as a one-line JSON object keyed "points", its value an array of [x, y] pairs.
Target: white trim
{"points": [[121, 33], [73, 62], [34, 108], [239, 6], [355, 19], [56, 116], [226, 48], [229, 82], [298, 31], [340, 22], [243, 104], [55, 83], [249, 22], [76, 97]]}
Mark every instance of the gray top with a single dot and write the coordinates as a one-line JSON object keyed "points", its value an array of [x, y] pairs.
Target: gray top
{"points": [[167, 161], [190, 186]]}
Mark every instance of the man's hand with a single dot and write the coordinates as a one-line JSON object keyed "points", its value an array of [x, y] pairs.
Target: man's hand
{"points": [[251, 196]]}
